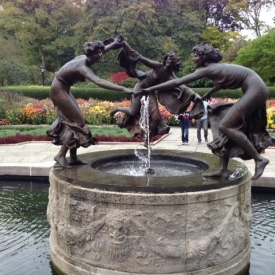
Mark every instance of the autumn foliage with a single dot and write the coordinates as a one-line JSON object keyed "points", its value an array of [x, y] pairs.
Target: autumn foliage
{"points": [[119, 77]]}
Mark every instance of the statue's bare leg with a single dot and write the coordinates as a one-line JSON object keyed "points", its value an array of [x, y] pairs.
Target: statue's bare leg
{"points": [[74, 160], [241, 140], [60, 158]]}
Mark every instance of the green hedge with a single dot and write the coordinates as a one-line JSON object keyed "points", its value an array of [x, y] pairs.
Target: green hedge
{"points": [[42, 92], [229, 93]]}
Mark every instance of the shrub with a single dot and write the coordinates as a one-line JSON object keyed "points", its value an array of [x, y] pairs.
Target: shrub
{"points": [[99, 113], [92, 91], [129, 83], [43, 92], [119, 77], [271, 114]]}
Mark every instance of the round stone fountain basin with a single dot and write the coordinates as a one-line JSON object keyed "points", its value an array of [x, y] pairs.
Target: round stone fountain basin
{"points": [[105, 223], [161, 165]]}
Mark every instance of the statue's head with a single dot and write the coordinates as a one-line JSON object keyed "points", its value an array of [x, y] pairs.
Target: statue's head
{"points": [[176, 63], [208, 53], [90, 47]]}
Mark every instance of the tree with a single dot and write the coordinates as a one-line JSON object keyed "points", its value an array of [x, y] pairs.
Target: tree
{"points": [[221, 40], [259, 55], [248, 12], [230, 54], [37, 25], [147, 25], [53, 32], [215, 13], [184, 28]]}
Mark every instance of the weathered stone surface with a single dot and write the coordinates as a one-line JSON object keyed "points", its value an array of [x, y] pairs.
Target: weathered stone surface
{"points": [[97, 231]]}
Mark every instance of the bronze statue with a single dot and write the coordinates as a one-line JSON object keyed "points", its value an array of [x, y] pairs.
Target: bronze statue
{"points": [[239, 129], [69, 129], [160, 72]]}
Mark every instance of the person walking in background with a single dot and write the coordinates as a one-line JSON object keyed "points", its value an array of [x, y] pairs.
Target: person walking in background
{"points": [[202, 123], [184, 120]]}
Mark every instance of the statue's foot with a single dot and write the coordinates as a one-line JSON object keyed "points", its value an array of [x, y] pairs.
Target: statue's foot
{"points": [[62, 161], [259, 169], [94, 141], [77, 162], [219, 173], [164, 130], [112, 113]]}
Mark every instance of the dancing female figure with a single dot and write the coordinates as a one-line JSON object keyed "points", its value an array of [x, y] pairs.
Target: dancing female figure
{"points": [[69, 129], [159, 73], [243, 125]]}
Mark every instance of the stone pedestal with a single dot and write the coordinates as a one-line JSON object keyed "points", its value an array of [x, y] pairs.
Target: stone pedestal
{"points": [[114, 232]]}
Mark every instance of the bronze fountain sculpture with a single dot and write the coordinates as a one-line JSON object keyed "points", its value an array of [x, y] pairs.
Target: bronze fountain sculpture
{"points": [[105, 222], [239, 129], [69, 129], [176, 100]]}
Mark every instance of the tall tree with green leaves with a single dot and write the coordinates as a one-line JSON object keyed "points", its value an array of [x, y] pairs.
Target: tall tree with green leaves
{"points": [[147, 25], [230, 54], [259, 55], [248, 13], [42, 27], [215, 13]]}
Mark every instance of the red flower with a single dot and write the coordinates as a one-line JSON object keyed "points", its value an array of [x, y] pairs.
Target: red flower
{"points": [[119, 77]]}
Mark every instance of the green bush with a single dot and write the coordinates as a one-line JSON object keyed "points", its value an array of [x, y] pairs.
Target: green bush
{"points": [[129, 83], [42, 92], [13, 73], [234, 94]]}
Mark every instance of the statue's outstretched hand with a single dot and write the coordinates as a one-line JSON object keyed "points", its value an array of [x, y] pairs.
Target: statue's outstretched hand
{"points": [[145, 92], [119, 38], [207, 96], [118, 42], [129, 91]]}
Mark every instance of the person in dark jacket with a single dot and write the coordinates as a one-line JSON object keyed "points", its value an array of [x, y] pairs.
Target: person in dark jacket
{"points": [[184, 120]]}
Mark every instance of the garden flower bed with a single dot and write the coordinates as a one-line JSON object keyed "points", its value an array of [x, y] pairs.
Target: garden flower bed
{"points": [[17, 110]]}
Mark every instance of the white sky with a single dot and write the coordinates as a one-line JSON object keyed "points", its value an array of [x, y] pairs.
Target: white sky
{"points": [[265, 16]]}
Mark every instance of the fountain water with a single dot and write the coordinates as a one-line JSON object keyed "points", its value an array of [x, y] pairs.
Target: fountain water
{"points": [[145, 126]]}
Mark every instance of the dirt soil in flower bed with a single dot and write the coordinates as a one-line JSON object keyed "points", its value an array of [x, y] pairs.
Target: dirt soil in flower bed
{"points": [[18, 138]]}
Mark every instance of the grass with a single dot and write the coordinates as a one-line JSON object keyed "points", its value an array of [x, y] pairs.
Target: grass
{"points": [[39, 130]]}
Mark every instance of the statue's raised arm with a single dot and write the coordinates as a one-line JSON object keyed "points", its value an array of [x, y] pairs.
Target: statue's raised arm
{"points": [[176, 101]]}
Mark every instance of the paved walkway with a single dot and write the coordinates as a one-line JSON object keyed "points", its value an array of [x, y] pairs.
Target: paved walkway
{"points": [[36, 158]]}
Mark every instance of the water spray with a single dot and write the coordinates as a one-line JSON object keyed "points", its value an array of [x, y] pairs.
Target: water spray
{"points": [[144, 122]]}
